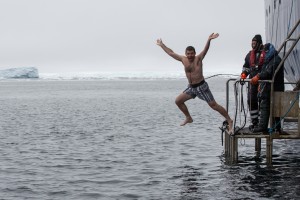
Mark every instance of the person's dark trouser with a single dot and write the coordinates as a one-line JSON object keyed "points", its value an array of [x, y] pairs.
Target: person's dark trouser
{"points": [[253, 103], [265, 114]]}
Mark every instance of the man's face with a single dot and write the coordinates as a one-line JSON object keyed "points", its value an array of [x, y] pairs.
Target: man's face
{"points": [[190, 55], [253, 44]]}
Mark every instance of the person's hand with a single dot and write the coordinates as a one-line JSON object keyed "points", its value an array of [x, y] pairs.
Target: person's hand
{"points": [[159, 42], [243, 76], [254, 80], [213, 36]]}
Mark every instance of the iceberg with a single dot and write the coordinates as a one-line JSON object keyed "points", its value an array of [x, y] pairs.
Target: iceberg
{"points": [[21, 72]]}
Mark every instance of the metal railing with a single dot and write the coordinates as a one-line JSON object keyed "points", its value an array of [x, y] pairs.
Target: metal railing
{"points": [[285, 56]]}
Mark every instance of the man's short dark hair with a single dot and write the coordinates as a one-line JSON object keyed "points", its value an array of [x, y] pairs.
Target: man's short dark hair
{"points": [[190, 48]]}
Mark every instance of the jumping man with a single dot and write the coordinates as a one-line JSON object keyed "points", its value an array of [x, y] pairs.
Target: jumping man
{"points": [[197, 86]]}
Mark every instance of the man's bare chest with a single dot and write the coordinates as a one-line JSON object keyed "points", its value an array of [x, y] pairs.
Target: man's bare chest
{"points": [[192, 67]]}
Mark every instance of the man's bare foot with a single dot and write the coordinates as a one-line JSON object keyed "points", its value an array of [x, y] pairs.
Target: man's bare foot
{"points": [[187, 120]]}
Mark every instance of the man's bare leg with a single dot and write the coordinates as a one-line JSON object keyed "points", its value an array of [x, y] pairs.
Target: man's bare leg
{"points": [[181, 105], [214, 105]]}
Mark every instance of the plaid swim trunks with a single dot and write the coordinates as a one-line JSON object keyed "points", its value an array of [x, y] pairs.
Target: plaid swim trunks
{"points": [[201, 90]]}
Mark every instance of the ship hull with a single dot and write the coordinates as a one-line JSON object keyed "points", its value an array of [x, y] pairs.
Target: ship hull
{"points": [[280, 18]]}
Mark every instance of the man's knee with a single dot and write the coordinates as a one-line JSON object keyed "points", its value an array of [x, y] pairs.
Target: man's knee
{"points": [[179, 101]]}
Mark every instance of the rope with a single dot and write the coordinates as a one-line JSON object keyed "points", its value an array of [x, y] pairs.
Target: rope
{"points": [[239, 106], [221, 75], [242, 109]]}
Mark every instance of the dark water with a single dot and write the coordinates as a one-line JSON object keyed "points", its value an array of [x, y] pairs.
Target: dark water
{"points": [[122, 140]]}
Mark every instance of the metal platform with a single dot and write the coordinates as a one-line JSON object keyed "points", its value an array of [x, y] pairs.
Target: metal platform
{"points": [[283, 105], [231, 142]]}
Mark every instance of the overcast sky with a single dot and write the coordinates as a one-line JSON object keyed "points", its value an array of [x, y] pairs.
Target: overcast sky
{"points": [[120, 35]]}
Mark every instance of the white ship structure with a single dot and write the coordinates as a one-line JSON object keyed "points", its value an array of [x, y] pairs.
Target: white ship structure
{"points": [[282, 18]]}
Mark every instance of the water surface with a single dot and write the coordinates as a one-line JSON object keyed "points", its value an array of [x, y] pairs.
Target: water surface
{"points": [[122, 140]]}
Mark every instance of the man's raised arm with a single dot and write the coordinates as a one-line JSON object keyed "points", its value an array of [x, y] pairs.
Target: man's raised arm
{"points": [[169, 51], [204, 51]]}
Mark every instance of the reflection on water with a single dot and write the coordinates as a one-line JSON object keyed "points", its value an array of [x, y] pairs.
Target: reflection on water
{"points": [[191, 182], [281, 180]]}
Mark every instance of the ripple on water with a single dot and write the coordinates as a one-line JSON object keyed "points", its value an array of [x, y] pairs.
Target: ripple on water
{"points": [[122, 140]]}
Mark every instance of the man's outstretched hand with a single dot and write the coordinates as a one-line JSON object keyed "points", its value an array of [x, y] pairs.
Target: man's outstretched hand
{"points": [[213, 36], [159, 42]]}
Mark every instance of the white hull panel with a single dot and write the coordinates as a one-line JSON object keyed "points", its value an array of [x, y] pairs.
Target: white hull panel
{"points": [[280, 18]]}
